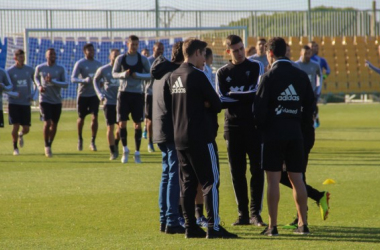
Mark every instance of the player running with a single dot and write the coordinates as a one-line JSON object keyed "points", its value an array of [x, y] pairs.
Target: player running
{"points": [[106, 88]]}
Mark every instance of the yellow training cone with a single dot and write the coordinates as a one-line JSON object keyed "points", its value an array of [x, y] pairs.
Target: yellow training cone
{"points": [[328, 181]]}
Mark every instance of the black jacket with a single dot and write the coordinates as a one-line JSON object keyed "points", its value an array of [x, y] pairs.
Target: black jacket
{"points": [[194, 123], [237, 86], [163, 131], [284, 104]]}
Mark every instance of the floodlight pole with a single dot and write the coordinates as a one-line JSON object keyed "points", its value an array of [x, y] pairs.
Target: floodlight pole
{"points": [[157, 16]]}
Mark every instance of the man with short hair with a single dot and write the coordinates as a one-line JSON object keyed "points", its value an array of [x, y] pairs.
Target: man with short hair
{"points": [[283, 107], [19, 109], [158, 50], [195, 105], [250, 51], [236, 85], [260, 53], [106, 88], [145, 52], [311, 68], [130, 69], [163, 135], [325, 71], [50, 78], [87, 101]]}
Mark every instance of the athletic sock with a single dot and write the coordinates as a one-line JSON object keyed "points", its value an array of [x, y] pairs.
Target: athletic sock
{"points": [[80, 137], [112, 148], [93, 139], [138, 133], [15, 145], [117, 142], [47, 143], [150, 140], [123, 136], [180, 213], [198, 210]]}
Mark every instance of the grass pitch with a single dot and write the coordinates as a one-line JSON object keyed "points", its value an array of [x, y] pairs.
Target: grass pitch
{"points": [[81, 200]]}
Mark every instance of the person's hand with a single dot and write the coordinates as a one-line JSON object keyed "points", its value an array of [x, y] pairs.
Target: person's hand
{"points": [[88, 79], [41, 89], [134, 75], [366, 63], [127, 73]]}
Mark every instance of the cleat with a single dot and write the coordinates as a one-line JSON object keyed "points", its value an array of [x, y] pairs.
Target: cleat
{"points": [[202, 222], [324, 206], [241, 221], [93, 147], [20, 140], [15, 151], [212, 233], [270, 231], [80, 145], [48, 152], [174, 230], [194, 232], [113, 156], [257, 221], [124, 158], [302, 230], [181, 222], [137, 157], [292, 225], [151, 148]]}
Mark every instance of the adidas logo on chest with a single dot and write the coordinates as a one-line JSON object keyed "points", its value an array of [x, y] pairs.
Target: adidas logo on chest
{"points": [[289, 94], [178, 87]]}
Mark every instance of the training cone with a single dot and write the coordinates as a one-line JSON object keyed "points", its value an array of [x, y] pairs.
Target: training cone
{"points": [[328, 181]]}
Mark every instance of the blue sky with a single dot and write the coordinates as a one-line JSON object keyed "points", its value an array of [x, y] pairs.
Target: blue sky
{"points": [[184, 4]]}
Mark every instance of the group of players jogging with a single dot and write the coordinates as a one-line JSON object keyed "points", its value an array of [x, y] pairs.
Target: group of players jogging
{"points": [[269, 102]]}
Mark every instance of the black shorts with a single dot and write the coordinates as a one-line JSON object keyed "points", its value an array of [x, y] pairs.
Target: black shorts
{"points": [[19, 114], [148, 106], [88, 105], [110, 114], [275, 153], [130, 103], [1, 119], [51, 111]]}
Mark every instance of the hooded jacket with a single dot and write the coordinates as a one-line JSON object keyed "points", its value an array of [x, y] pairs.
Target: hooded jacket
{"points": [[161, 70]]}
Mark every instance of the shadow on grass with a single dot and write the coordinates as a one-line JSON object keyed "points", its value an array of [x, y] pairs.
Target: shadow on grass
{"points": [[323, 233]]}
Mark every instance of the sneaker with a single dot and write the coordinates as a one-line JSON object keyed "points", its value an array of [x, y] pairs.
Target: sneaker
{"points": [[162, 227], [324, 205], [202, 222], [181, 221], [292, 225], [93, 147], [151, 148], [221, 233], [302, 230], [124, 158], [48, 152], [137, 157], [194, 232], [15, 151], [113, 156], [270, 231], [257, 221], [241, 221], [145, 134], [174, 230], [20, 139], [80, 145]]}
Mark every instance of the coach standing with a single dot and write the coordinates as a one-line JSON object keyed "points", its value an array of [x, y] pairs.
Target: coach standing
{"points": [[283, 105]]}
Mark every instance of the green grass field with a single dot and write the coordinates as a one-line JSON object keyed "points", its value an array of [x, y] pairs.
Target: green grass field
{"points": [[81, 200]]}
